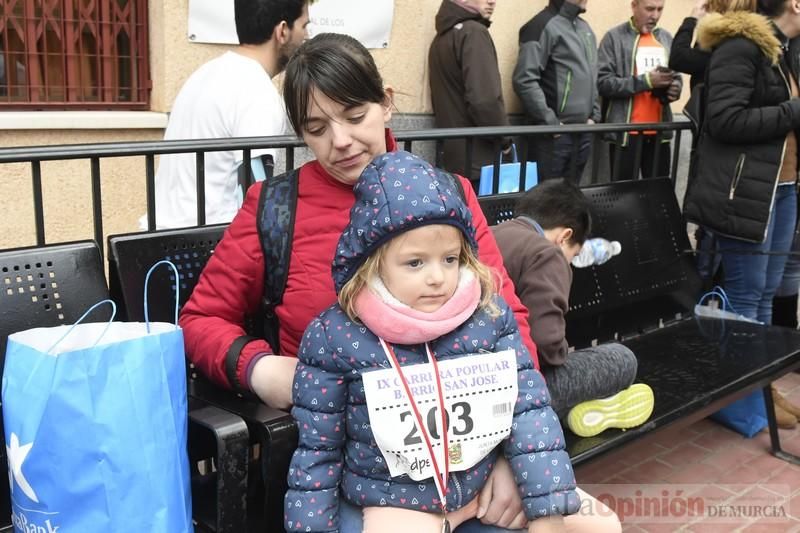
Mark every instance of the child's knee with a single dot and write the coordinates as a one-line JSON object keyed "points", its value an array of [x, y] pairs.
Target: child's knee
{"points": [[593, 517]]}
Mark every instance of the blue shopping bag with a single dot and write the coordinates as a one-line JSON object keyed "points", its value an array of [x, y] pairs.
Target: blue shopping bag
{"points": [[746, 416], [95, 420], [509, 175]]}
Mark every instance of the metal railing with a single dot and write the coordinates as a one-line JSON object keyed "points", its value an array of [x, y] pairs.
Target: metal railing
{"points": [[408, 140]]}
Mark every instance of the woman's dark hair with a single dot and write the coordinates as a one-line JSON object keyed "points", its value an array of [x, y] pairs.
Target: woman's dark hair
{"points": [[558, 202], [336, 65], [771, 8]]}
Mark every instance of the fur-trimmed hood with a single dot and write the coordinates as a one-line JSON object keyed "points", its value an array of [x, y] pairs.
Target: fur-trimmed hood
{"points": [[714, 28]]}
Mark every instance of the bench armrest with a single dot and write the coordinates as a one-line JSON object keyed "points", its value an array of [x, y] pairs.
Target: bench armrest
{"points": [[273, 434], [219, 501]]}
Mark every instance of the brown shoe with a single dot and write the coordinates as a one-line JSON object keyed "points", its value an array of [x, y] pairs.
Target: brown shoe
{"points": [[784, 404], [785, 419]]}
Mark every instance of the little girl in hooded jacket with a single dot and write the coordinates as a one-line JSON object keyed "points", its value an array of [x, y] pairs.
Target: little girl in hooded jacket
{"points": [[409, 387]]}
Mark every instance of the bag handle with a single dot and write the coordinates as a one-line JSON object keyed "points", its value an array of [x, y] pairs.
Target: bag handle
{"points": [[720, 293], [84, 315], [513, 154], [177, 291]]}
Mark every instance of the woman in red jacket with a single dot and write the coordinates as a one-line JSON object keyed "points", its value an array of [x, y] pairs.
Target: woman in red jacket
{"points": [[338, 104]]}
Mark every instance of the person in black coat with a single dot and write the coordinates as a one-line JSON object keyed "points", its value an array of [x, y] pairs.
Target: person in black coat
{"points": [[747, 165], [693, 60]]}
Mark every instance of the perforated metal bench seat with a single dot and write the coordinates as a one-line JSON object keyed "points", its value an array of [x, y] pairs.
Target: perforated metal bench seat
{"points": [[696, 366]]}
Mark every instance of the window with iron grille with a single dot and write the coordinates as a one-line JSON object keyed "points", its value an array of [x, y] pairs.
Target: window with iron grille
{"points": [[74, 54]]}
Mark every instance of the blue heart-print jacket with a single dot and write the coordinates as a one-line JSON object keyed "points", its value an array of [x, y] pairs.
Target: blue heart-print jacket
{"points": [[337, 456]]}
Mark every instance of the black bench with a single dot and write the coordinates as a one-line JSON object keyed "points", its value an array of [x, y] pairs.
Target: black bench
{"points": [[643, 298]]}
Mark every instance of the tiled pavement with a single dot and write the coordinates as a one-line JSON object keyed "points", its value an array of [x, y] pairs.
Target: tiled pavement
{"points": [[727, 483]]}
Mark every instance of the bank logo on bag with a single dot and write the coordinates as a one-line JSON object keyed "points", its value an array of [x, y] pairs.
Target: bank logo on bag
{"points": [[20, 516], [16, 456]]}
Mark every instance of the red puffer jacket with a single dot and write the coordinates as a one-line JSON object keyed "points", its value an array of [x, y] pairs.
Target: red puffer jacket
{"points": [[232, 283]]}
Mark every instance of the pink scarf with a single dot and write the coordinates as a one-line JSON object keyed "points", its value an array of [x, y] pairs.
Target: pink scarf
{"points": [[398, 323]]}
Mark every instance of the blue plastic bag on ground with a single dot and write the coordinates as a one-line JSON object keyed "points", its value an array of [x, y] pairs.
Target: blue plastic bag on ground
{"points": [[509, 175], [95, 420], [747, 416]]}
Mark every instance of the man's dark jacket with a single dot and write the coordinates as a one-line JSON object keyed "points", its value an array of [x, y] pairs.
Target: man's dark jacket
{"points": [[465, 84]]}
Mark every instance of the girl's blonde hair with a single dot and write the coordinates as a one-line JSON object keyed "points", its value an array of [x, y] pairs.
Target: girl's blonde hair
{"points": [[723, 6], [371, 267]]}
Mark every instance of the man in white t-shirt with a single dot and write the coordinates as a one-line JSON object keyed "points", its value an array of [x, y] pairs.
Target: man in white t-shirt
{"points": [[230, 96]]}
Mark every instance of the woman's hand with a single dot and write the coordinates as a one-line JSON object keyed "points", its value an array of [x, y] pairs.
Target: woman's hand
{"points": [[548, 524], [272, 379], [699, 9], [499, 503]]}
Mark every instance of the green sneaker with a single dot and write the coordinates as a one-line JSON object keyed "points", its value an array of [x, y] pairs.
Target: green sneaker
{"points": [[626, 409]]}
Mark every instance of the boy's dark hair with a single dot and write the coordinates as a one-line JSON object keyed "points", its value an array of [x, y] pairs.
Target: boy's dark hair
{"points": [[256, 19], [339, 67], [558, 202], [771, 8]]}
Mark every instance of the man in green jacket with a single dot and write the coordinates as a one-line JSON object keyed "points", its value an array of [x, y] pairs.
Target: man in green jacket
{"points": [[556, 81]]}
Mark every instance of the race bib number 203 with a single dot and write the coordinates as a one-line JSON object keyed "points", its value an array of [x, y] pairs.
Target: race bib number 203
{"points": [[479, 391]]}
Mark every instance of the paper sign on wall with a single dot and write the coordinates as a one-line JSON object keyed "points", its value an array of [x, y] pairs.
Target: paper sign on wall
{"points": [[211, 21], [369, 21]]}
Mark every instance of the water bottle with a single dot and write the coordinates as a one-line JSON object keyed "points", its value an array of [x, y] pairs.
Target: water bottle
{"points": [[596, 252]]}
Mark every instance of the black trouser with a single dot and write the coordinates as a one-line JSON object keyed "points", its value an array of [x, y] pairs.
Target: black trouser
{"points": [[554, 155], [650, 146]]}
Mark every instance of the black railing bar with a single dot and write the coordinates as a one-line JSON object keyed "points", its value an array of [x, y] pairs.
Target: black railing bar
{"points": [[656, 156], [528, 153], [97, 205], [150, 186], [407, 146], [523, 172], [615, 174], [200, 172], [509, 131], [289, 158], [498, 151], [576, 139], [248, 173], [141, 148], [525, 154], [438, 153], [469, 146], [20, 154], [676, 149], [595, 148], [38, 201], [637, 156]]}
